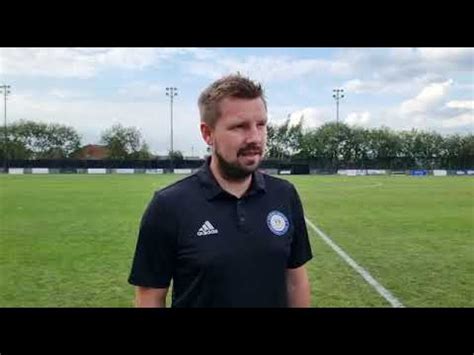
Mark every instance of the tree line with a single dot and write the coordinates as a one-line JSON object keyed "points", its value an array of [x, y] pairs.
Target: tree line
{"points": [[30, 140], [335, 145], [329, 146]]}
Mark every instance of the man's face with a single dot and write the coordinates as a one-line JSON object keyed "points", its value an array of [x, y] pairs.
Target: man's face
{"points": [[238, 137]]}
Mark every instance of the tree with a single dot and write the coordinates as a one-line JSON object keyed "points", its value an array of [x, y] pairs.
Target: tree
{"points": [[311, 145], [422, 149], [61, 142], [384, 147], [16, 149], [335, 144], [144, 152], [176, 155], [458, 151], [467, 151], [430, 149], [356, 148], [330, 144], [123, 142], [36, 140], [284, 141]]}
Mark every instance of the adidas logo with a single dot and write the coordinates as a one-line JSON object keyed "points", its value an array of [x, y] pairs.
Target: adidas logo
{"points": [[207, 229]]}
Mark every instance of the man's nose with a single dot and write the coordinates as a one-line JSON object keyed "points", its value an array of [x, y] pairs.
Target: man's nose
{"points": [[254, 134]]}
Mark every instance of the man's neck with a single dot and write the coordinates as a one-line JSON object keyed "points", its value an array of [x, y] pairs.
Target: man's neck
{"points": [[234, 187]]}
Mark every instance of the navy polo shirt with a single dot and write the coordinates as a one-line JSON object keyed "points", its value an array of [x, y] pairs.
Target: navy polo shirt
{"points": [[220, 250]]}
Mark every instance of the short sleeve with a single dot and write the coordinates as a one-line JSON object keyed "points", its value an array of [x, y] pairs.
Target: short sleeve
{"points": [[300, 251], [154, 259]]}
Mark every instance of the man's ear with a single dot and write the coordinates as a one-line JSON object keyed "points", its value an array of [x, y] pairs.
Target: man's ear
{"points": [[207, 133]]}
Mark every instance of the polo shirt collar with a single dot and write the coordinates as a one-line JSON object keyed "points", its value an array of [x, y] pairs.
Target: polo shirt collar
{"points": [[213, 189]]}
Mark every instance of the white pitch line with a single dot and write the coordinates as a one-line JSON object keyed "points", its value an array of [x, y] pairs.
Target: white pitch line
{"points": [[364, 273]]}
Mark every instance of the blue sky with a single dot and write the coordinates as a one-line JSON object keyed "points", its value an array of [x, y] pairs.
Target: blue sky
{"points": [[93, 88]]}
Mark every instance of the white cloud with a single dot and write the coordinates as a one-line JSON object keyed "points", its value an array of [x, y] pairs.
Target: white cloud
{"points": [[463, 114], [459, 56], [60, 62], [465, 104], [403, 70], [463, 120], [66, 93], [406, 62], [383, 86], [313, 117], [201, 53], [203, 68], [265, 68], [84, 62], [428, 99], [430, 110], [358, 118], [358, 86], [141, 90]]}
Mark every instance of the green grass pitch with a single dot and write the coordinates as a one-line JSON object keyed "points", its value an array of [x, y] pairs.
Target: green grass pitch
{"points": [[68, 240]]}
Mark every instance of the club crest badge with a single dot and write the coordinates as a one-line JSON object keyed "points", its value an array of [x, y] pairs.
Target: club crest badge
{"points": [[277, 223]]}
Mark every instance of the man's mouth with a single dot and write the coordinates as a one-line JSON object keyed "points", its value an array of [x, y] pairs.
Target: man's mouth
{"points": [[250, 153]]}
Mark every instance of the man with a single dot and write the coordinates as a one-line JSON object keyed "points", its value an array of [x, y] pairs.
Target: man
{"points": [[228, 236]]}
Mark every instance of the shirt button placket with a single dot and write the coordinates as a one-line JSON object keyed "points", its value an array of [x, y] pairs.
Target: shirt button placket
{"points": [[240, 213]]}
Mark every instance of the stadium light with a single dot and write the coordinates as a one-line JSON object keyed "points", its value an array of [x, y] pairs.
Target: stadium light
{"points": [[171, 92], [338, 95], [5, 89]]}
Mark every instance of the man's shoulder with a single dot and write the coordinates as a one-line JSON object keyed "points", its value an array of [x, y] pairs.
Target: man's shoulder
{"points": [[178, 189], [276, 183]]}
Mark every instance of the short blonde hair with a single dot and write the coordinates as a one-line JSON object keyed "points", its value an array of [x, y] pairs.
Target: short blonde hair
{"points": [[229, 86]]}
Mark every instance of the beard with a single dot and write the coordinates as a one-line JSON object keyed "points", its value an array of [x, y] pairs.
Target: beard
{"points": [[233, 170]]}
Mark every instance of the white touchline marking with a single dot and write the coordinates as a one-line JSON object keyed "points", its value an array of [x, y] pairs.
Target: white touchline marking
{"points": [[364, 273]]}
